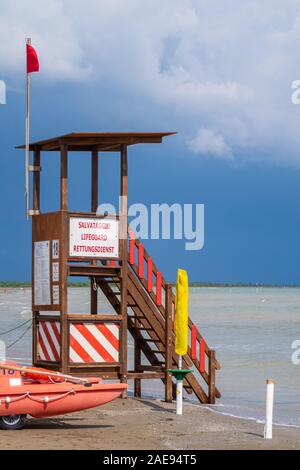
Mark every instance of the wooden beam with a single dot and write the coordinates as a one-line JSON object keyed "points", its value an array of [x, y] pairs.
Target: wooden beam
{"points": [[34, 337], [63, 177], [82, 318], [146, 375], [212, 378], [94, 181], [63, 275], [36, 206], [124, 272], [92, 270], [94, 206], [137, 365], [36, 180]]}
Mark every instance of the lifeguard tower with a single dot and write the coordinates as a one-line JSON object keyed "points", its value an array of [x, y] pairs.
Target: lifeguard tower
{"points": [[100, 247]]}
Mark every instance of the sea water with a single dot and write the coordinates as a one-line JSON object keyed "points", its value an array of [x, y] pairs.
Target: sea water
{"points": [[251, 329]]}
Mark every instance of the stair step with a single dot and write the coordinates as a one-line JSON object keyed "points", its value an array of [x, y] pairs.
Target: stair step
{"points": [[152, 340]]}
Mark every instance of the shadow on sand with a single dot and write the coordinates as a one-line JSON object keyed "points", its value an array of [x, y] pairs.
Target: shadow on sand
{"points": [[69, 423]]}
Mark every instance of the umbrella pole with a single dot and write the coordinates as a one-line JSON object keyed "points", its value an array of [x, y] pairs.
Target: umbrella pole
{"points": [[179, 388]]}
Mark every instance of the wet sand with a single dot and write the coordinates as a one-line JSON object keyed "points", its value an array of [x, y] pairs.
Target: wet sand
{"points": [[146, 424]]}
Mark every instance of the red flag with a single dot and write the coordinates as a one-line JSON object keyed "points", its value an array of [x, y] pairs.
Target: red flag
{"points": [[32, 59]]}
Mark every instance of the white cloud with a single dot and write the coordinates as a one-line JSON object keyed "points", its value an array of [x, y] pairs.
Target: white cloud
{"points": [[208, 143], [225, 68], [53, 35]]}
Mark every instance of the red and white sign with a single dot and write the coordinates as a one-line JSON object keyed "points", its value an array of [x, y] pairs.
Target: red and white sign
{"points": [[89, 342], [94, 238], [94, 342], [49, 341]]}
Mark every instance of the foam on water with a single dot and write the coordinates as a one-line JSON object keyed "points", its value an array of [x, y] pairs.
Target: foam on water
{"points": [[252, 330]]}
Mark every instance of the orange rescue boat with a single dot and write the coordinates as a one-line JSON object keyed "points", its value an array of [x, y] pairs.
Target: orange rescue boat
{"points": [[41, 393]]}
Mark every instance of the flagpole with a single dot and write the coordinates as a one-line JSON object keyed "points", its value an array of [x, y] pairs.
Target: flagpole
{"points": [[27, 140]]}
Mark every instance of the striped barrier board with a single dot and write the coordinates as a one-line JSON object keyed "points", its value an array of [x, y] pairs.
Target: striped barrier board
{"points": [[48, 341], [89, 342], [94, 342]]}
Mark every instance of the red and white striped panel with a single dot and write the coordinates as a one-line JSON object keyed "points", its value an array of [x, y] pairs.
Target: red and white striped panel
{"points": [[94, 342], [48, 341]]}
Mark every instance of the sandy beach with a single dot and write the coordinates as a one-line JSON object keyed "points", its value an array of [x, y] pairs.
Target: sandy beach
{"points": [[146, 424]]}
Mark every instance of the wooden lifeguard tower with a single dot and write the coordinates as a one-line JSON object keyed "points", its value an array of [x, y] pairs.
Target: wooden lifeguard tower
{"points": [[100, 247]]}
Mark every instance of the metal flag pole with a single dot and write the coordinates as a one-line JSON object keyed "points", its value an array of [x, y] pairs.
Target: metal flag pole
{"points": [[27, 138]]}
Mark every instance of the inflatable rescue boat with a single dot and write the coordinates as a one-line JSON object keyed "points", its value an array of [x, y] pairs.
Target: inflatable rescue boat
{"points": [[41, 393]]}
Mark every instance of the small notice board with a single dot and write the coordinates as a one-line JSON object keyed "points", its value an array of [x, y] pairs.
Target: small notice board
{"points": [[42, 273]]}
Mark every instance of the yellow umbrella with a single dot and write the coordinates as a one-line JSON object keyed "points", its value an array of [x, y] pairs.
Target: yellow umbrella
{"points": [[181, 332], [181, 313]]}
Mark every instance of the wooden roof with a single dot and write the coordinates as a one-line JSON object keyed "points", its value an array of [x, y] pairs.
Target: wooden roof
{"points": [[106, 141]]}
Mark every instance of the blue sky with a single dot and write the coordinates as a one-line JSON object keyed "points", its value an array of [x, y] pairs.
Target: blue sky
{"points": [[220, 77]]}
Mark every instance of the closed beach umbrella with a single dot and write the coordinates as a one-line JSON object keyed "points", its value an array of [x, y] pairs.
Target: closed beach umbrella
{"points": [[182, 313], [181, 331]]}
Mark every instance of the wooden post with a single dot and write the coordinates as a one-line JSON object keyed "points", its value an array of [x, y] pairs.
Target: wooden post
{"points": [[36, 180], [63, 177], [94, 206], [34, 336], [212, 377], [168, 344], [94, 179], [36, 207], [124, 255], [64, 354], [137, 363]]}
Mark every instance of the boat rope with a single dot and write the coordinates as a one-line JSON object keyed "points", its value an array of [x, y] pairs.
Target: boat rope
{"points": [[15, 328], [7, 400], [46, 399], [17, 340], [53, 381]]}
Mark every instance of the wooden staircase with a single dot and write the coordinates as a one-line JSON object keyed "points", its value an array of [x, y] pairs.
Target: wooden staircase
{"points": [[151, 308]]}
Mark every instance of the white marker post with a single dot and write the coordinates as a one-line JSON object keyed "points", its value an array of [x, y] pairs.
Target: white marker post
{"points": [[179, 390], [269, 409]]}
